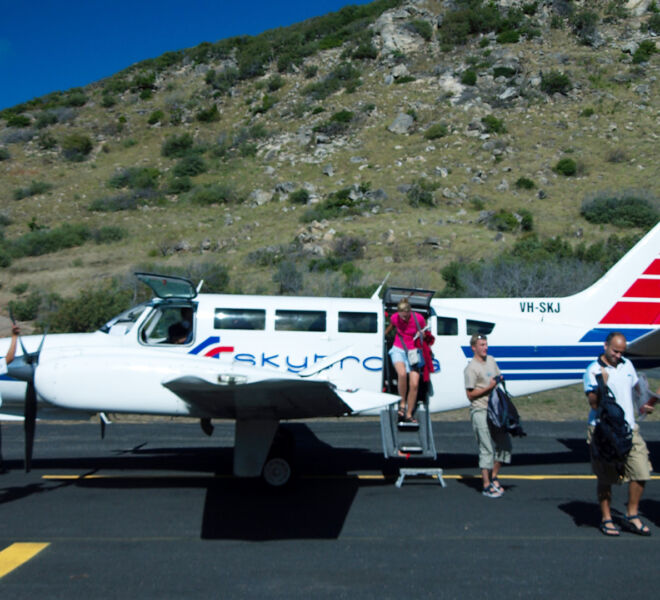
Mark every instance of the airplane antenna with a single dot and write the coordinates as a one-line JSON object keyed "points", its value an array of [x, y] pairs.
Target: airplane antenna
{"points": [[376, 294], [199, 285]]}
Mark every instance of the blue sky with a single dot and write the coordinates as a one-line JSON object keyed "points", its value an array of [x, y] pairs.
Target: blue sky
{"points": [[49, 45]]}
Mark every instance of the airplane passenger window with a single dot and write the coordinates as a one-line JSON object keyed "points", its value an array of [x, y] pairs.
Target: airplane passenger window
{"points": [[447, 326], [239, 318], [357, 322], [299, 320], [479, 327]]}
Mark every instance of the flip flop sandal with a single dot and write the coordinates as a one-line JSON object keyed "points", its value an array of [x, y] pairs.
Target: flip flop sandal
{"points": [[609, 529], [632, 528]]}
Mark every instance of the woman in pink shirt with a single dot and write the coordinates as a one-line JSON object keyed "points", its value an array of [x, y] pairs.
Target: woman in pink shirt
{"points": [[407, 325]]}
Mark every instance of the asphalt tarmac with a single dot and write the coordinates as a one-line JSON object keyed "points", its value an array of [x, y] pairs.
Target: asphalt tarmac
{"points": [[152, 511]]}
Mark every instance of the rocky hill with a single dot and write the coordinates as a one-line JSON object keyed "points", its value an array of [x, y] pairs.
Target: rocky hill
{"points": [[402, 137]]}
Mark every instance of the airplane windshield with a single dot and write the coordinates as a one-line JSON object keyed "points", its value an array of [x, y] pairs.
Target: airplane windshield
{"points": [[123, 322]]}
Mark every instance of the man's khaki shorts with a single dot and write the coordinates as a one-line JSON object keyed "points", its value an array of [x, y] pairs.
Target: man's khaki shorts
{"points": [[637, 466]]}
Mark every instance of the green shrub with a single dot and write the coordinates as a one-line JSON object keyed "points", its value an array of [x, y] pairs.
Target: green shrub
{"points": [[46, 141], [469, 77], [404, 79], [213, 193], [507, 72], [177, 146], [310, 71], [108, 234], [493, 125], [644, 52], [27, 309], [344, 76], [435, 131], [156, 117], [421, 194], [179, 185], [108, 100], [583, 23], [20, 288], [45, 119], [35, 188], [75, 98], [267, 102], [300, 196], [566, 167], [4, 154], [90, 309], [530, 8], [337, 204], [629, 208], [135, 178], [508, 37], [503, 221], [76, 147], [209, 115], [288, 278], [129, 201], [365, 51], [422, 28], [223, 81], [190, 165], [274, 83], [555, 82], [18, 121], [45, 241], [526, 219], [523, 183], [587, 112], [654, 23]]}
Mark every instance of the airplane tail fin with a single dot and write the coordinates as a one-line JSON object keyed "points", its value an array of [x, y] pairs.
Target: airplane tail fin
{"points": [[628, 295]]}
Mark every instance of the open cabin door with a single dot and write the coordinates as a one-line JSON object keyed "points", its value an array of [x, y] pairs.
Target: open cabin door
{"points": [[399, 439]]}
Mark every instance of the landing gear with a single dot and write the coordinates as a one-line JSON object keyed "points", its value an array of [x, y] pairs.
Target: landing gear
{"points": [[278, 471]]}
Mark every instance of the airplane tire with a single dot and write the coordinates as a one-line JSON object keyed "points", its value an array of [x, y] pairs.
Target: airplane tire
{"points": [[277, 472]]}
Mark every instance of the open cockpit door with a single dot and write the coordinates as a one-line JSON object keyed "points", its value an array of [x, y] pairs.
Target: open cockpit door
{"points": [[168, 286]]}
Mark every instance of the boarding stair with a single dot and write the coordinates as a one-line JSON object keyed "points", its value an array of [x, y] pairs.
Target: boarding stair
{"points": [[408, 441]]}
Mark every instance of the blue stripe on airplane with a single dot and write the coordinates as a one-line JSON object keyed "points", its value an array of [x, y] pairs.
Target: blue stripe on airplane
{"points": [[520, 365], [540, 376], [599, 334], [539, 351]]}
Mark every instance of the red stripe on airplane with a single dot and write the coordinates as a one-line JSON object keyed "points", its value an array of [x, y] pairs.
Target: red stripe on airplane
{"points": [[219, 349], [654, 268], [633, 313], [644, 288]]}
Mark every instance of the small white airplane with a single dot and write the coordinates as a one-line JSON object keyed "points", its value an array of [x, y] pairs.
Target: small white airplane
{"points": [[264, 359]]}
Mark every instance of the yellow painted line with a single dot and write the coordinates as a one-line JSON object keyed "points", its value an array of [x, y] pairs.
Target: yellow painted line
{"points": [[15, 555], [373, 477]]}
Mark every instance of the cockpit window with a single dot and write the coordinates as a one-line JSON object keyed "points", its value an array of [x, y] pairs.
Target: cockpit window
{"points": [[169, 325], [122, 323]]}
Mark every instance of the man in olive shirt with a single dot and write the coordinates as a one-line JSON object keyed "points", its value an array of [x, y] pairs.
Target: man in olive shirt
{"points": [[494, 445]]}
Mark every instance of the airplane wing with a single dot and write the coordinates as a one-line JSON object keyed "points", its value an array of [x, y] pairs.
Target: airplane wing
{"points": [[267, 398], [647, 345], [274, 398]]}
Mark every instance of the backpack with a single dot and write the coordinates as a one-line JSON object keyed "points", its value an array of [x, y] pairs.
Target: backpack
{"points": [[612, 438], [502, 413]]}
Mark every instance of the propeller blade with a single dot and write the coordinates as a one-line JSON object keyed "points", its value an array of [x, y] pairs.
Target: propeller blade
{"points": [[29, 424]]}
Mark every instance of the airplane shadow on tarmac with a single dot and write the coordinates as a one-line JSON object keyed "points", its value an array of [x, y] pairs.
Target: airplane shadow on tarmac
{"points": [[314, 506]]}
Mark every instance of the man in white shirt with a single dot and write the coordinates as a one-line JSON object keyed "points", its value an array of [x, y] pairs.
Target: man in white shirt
{"points": [[621, 378], [15, 331]]}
